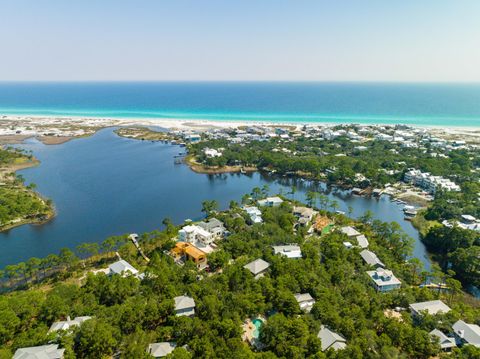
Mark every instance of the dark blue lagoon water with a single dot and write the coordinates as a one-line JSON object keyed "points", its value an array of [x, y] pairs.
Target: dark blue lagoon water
{"points": [[107, 185], [418, 104]]}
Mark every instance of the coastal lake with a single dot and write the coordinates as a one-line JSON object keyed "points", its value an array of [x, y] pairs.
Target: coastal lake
{"points": [[107, 185]]}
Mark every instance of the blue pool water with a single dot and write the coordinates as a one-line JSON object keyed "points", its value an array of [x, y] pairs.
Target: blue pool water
{"points": [[258, 325]]}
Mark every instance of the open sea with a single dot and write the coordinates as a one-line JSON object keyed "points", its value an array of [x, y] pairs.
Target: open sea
{"points": [[368, 103]]}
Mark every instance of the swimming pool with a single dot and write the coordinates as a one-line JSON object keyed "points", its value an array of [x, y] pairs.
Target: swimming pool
{"points": [[258, 324]]}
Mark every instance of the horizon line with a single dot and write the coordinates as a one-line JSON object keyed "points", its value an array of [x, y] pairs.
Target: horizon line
{"points": [[248, 81]]}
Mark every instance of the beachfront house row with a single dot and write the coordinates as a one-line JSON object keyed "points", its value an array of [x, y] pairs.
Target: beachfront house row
{"points": [[431, 307], [428, 182], [49, 351], [258, 267], [466, 333], [270, 202], [67, 324], [331, 340], [184, 306], [305, 301], [289, 251], [384, 280], [446, 343], [371, 259], [161, 350]]}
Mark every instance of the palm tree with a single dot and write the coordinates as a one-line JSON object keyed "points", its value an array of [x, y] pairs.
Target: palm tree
{"points": [[209, 206], [256, 193]]}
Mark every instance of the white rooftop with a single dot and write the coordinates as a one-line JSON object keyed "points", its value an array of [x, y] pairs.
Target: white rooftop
{"points": [[470, 333], [289, 251], [431, 307], [330, 339], [67, 324], [383, 277], [350, 231], [160, 350], [371, 258], [122, 266], [41, 352], [444, 341], [362, 241]]}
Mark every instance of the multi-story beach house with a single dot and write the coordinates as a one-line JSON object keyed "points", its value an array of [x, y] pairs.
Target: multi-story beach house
{"points": [[384, 280]]}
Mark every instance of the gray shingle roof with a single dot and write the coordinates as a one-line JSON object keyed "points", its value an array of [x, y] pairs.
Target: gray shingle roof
{"points": [[331, 339], [362, 241], [41, 352], [431, 307], [470, 333], [160, 350], [184, 302], [122, 266], [444, 341], [371, 258], [350, 231], [257, 266]]}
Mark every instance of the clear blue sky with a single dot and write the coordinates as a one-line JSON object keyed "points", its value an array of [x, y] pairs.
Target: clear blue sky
{"points": [[331, 40]]}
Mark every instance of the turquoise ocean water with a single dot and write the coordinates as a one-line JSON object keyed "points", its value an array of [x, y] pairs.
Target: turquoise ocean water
{"points": [[385, 103]]}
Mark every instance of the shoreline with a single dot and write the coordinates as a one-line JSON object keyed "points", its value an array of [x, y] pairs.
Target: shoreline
{"points": [[199, 168], [179, 122], [13, 168], [53, 130]]}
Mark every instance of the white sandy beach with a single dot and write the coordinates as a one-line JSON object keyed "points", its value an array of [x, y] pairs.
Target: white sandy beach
{"points": [[71, 126]]}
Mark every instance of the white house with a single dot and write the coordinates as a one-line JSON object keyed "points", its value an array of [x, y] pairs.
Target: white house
{"points": [[49, 351], [331, 340], [289, 251], [384, 280], [211, 152], [350, 231], [431, 307], [258, 267], [371, 258], [67, 324], [305, 301], [270, 201], [214, 227], [362, 241], [184, 306], [467, 333], [304, 214], [161, 350], [194, 233], [122, 268], [254, 213], [446, 343]]}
